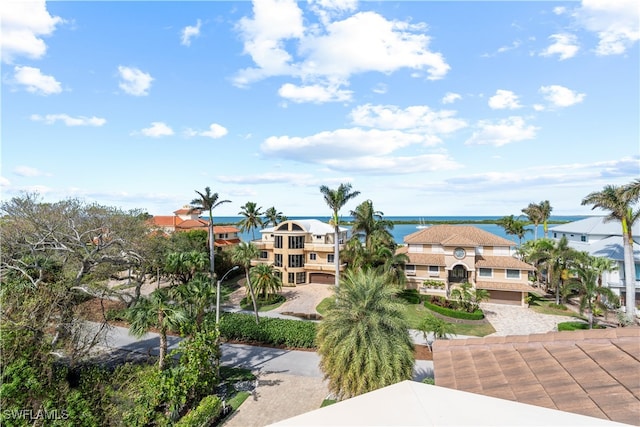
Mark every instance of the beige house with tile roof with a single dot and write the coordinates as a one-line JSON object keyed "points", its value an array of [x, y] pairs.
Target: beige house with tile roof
{"points": [[444, 256], [302, 251]]}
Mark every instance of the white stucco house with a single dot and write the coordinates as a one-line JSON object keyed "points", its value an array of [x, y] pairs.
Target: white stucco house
{"points": [[604, 239]]}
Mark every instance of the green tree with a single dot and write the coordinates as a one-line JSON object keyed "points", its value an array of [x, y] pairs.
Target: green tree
{"points": [[619, 202], [184, 266], [194, 296], [534, 213], [265, 280], [557, 257], [251, 213], [363, 340], [588, 270], [243, 254], [545, 214], [336, 199], [440, 328], [273, 216], [156, 311], [469, 298], [513, 226], [368, 223], [208, 201]]}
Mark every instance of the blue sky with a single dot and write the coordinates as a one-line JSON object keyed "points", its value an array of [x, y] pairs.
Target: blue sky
{"points": [[427, 108]]}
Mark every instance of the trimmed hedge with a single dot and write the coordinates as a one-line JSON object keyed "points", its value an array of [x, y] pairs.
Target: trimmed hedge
{"points": [[476, 315], [247, 302], [574, 326], [209, 408], [272, 331]]}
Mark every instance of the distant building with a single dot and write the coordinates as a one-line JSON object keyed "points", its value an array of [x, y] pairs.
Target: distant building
{"points": [[187, 219], [444, 256], [302, 251], [603, 239]]}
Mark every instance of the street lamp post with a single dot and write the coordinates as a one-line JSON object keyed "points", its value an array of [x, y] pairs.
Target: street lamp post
{"points": [[235, 267]]}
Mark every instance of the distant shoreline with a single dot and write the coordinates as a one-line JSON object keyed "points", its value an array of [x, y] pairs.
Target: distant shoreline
{"points": [[436, 222]]}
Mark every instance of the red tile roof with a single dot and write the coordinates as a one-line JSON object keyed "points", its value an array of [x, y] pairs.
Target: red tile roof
{"points": [[594, 373], [164, 220], [217, 229]]}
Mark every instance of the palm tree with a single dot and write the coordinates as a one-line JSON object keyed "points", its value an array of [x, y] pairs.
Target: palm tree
{"points": [[545, 214], [363, 340], [243, 254], [557, 256], [588, 272], [336, 199], [265, 280], [251, 220], [273, 217], [156, 311], [183, 266], [368, 222], [208, 202], [534, 213], [440, 328], [619, 201], [513, 226]]}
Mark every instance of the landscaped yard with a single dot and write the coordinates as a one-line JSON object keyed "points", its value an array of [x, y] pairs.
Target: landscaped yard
{"points": [[547, 306]]}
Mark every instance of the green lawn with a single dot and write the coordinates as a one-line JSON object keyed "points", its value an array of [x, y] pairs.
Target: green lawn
{"points": [[325, 305], [416, 312], [544, 306], [238, 399]]}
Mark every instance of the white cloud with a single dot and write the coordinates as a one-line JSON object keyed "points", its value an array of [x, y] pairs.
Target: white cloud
{"points": [[564, 45], [326, 55], [189, 32], [559, 10], [68, 120], [616, 23], [380, 88], [269, 178], [134, 81], [451, 97], [560, 96], [504, 99], [538, 107], [328, 9], [35, 81], [394, 165], [502, 49], [314, 93], [215, 131], [156, 130], [418, 118], [4, 182], [27, 171], [502, 132], [24, 23]]}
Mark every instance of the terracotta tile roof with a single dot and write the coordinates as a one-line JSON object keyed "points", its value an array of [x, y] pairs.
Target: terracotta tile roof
{"points": [[505, 286], [217, 229], [426, 259], [191, 224], [164, 220], [502, 262], [594, 373], [187, 211], [472, 236], [227, 242]]}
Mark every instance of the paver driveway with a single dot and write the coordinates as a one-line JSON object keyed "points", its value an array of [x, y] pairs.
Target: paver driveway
{"points": [[514, 320]]}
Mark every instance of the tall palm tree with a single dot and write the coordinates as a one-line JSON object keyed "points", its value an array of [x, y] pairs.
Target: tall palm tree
{"points": [[513, 226], [251, 213], [619, 201], [156, 311], [208, 201], [557, 257], [336, 199], [265, 280], [534, 213], [363, 340], [243, 254], [367, 222], [588, 272], [545, 214], [273, 216]]}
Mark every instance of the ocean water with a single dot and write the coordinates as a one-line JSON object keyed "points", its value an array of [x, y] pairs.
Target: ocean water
{"points": [[401, 230]]}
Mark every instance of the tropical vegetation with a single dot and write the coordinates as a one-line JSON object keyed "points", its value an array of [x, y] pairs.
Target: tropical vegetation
{"points": [[242, 254], [251, 218]]}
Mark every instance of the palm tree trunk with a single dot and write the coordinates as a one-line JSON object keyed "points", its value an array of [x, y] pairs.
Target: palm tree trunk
{"points": [[336, 255], [630, 277], [163, 348], [253, 295]]}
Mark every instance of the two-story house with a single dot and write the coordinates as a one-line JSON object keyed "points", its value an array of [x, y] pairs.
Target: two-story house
{"points": [[302, 251], [452, 254], [603, 239], [186, 219]]}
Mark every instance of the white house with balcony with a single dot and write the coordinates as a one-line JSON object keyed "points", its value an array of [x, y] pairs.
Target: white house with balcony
{"points": [[603, 239], [302, 251]]}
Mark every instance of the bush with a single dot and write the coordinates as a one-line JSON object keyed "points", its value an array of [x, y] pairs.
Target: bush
{"points": [[436, 284], [272, 331], [449, 312], [271, 299], [558, 306], [573, 326], [412, 296], [205, 414]]}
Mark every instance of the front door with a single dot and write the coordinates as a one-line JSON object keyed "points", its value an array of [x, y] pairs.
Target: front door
{"points": [[458, 274]]}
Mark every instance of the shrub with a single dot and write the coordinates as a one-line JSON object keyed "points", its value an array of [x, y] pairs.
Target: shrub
{"points": [[573, 326], [118, 314], [205, 414], [558, 306], [261, 302], [289, 333], [412, 296], [436, 284], [449, 312]]}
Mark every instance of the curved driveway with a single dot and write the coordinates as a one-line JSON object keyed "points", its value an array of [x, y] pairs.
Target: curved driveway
{"points": [[514, 320]]}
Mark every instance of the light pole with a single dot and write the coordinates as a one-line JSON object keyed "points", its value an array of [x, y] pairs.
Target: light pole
{"points": [[235, 267]]}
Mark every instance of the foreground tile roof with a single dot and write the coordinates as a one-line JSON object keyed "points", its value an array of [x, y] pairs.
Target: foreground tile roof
{"points": [[452, 235], [594, 373]]}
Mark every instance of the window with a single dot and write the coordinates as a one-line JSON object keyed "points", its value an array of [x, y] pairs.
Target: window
{"points": [[330, 259], [434, 270], [278, 242], [410, 269], [415, 248], [479, 250], [485, 272], [278, 260], [501, 251], [291, 277], [296, 242], [300, 277], [555, 235], [296, 227], [296, 261], [313, 256], [583, 238], [264, 254], [513, 274]]}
